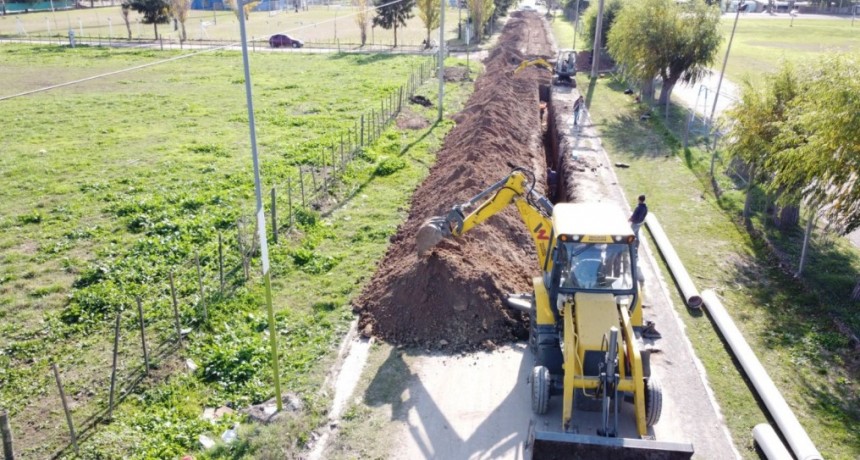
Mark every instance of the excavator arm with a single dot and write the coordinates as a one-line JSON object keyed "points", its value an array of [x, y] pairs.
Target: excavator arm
{"points": [[534, 209]]}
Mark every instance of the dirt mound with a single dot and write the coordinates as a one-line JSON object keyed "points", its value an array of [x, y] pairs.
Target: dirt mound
{"points": [[453, 298]]}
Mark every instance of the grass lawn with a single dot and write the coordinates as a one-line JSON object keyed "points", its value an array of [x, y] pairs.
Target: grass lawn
{"points": [[318, 24], [111, 183], [790, 325], [761, 44]]}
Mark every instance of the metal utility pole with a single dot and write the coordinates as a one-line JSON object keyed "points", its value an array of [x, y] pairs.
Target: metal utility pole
{"points": [[261, 218], [441, 58], [741, 6], [575, 23], [595, 54]]}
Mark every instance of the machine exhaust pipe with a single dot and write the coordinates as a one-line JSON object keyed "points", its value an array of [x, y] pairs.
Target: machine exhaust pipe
{"points": [[520, 302]]}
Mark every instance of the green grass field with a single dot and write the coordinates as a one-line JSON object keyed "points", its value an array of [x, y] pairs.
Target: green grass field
{"points": [[319, 24], [110, 184], [790, 325]]}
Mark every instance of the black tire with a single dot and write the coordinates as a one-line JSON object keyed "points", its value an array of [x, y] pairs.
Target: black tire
{"points": [[295, 45], [653, 401], [540, 389]]}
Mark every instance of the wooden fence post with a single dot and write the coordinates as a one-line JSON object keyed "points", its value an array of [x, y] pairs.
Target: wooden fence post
{"points": [[66, 407], [274, 218], [176, 303], [142, 335], [314, 181], [341, 152], [302, 185], [8, 448], [113, 366], [400, 100], [333, 164], [362, 131], [325, 176], [289, 203], [200, 284], [220, 267]]}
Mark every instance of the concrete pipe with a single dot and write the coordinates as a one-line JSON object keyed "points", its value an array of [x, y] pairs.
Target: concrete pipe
{"points": [[769, 442], [791, 429], [688, 289]]}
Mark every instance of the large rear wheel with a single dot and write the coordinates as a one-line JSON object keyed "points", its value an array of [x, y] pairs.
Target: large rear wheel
{"points": [[540, 389], [653, 401]]}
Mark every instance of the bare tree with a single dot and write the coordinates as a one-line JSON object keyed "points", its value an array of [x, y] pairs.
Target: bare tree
{"points": [[126, 9], [362, 19], [179, 10]]}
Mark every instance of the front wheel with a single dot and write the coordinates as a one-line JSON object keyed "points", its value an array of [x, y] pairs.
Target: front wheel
{"points": [[653, 401], [540, 389], [295, 45]]}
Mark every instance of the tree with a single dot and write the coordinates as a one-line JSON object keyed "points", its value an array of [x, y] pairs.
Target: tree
{"points": [[126, 9], [429, 12], [480, 12], [179, 10], [589, 20], [362, 19], [248, 7], [758, 119], [393, 15], [663, 38], [818, 160], [154, 12]]}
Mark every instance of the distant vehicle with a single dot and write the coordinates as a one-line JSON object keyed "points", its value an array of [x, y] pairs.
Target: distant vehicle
{"points": [[281, 40], [527, 8]]}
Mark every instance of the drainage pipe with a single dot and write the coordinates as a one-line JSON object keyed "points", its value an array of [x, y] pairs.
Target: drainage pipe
{"points": [[691, 294], [769, 442], [791, 429]]}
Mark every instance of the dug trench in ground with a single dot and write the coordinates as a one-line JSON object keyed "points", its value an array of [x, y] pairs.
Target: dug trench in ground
{"points": [[453, 297]]}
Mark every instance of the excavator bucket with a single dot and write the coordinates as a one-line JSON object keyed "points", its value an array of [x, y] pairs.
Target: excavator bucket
{"points": [[547, 445], [432, 231]]}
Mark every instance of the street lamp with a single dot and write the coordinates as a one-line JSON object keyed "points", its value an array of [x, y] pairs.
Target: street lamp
{"points": [[742, 6]]}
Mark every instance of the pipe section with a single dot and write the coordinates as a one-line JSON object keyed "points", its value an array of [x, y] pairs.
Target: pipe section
{"points": [[791, 429], [769, 442], [688, 289]]}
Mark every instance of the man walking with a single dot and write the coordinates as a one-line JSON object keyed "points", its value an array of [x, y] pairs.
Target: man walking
{"points": [[577, 108], [638, 217]]}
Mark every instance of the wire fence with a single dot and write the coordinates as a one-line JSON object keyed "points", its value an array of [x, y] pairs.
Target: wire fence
{"points": [[152, 323]]}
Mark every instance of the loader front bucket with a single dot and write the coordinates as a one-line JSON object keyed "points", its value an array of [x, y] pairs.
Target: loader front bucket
{"points": [[432, 231], [545, 445]]}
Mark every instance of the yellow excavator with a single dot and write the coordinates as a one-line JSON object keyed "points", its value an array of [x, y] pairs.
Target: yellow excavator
{"points": [[585, 321]]}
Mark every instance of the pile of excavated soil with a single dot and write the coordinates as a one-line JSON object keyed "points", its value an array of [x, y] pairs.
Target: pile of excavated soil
{"points": [[453, 297]]}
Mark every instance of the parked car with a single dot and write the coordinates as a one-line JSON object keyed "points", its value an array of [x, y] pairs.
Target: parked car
{"points": [[281, 40]]}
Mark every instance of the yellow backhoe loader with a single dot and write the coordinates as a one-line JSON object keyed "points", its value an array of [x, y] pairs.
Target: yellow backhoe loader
{"points": [[585, 320]]}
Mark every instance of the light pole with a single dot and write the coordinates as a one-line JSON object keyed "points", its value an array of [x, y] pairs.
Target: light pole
{"points": [[575, 23], [595, 55], [741, 7], [261, 218]]}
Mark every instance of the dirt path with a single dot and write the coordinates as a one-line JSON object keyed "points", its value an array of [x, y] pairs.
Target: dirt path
{"points": [[476, 404]]}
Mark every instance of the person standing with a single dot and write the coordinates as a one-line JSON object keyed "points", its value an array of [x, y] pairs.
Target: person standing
{"points": [[577, 108], [638, 218]]}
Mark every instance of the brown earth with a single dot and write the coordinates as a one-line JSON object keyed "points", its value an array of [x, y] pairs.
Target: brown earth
{"points": [[453, 297]]}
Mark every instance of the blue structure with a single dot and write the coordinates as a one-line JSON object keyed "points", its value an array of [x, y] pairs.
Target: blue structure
{"points": [[219, 5]]}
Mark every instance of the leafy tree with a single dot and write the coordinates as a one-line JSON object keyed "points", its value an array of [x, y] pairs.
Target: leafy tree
{"points": [[589, 19], [758, 119], [362, 19], [393, 15], [429, 12], [480, 12], [179, 10], [819, 156], [651, 38], [154, 12]]}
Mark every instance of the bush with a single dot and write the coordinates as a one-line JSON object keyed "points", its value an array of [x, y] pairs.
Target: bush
{"points": [[389, 166], [589, 21]]}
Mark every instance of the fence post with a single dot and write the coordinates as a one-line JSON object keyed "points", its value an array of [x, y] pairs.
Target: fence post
{"points": [[200, 284], [8, 450], [341, 152], [361, 143], [400, 100], [113, 365], [66, 407], [241, 245], [372, 124], [176, 303], [325, 176], [313, 181], [290, 202], [220, 266], [302, 185], [334, 164], [274, 218], [142, 335]]}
